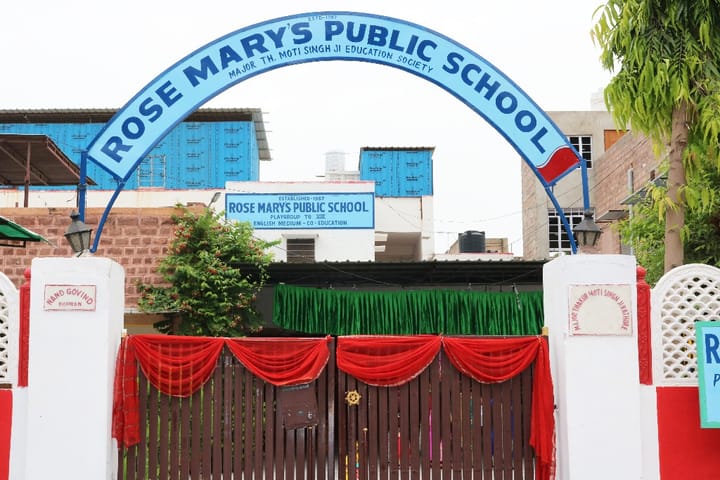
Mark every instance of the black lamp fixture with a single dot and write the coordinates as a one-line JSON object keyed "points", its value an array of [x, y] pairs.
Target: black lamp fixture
{"points": [[587, 232], [215, 198], [78, 234]]}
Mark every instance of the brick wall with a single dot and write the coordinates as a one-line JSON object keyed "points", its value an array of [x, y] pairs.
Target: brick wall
{"points": [[630, 152], [136, 238]]}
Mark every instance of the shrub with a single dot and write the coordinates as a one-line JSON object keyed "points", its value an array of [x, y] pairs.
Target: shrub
{"points": [[206, 286]]}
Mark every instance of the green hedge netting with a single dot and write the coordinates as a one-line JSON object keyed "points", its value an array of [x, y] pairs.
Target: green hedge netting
{"points": [[407, 312]]}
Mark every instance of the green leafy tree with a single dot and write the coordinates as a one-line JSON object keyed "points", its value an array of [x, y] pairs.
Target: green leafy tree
{"points": [[645, 229], [666, 54], [206, 287]]}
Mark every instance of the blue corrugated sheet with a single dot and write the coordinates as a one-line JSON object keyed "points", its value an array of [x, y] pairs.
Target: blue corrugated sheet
{"points": [[397, 172], [193, 155]]}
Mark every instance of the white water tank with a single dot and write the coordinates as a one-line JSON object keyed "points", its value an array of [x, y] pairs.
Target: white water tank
{"points": [[335, 161]]}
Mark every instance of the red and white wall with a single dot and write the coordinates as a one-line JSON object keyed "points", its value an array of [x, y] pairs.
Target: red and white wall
{"points": [[5, 431], [56, 400], [628, 405], [9, 325], [681, 297]]}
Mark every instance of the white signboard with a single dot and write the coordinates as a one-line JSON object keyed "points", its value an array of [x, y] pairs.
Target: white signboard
{"points": [[69, 298], [267, 211], [600, 310]]}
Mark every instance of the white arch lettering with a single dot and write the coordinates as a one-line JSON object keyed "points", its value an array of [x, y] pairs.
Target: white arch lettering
{"points": [[250, 51]]}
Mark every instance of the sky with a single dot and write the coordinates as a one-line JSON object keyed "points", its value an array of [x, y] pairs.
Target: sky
{"points": [[90, 54]]}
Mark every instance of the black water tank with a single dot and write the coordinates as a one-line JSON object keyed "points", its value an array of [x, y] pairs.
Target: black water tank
{"points": [[472, 241]]}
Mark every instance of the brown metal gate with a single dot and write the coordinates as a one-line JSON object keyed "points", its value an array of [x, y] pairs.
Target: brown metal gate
{"points": [[442, 424]]}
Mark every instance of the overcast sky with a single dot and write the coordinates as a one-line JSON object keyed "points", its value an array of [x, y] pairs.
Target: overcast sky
{"points": [[91, 54]]}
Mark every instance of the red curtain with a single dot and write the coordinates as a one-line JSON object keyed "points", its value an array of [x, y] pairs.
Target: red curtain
{"points": [[491, 360], [179, 366], [125, 417], [289, 361], [386, 360]]}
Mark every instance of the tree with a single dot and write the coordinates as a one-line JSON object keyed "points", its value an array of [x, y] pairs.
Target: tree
{"points": [[206, 286], [667, 87], [644, 229]]}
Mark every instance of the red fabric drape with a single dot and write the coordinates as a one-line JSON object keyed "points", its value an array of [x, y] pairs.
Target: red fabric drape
{"points": [[290, 361], [179, 366], [386, 360], [175, 365], [125, 417], [24, 331], [491, 360], [542, 428]]}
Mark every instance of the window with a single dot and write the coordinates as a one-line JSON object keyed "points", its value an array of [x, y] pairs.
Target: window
{"points": [[558, 240], [583, 144], [300, 250], [152, 172]]}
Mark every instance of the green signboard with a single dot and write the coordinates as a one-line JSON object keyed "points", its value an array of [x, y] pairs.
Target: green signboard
{"points": [[708, 349]]}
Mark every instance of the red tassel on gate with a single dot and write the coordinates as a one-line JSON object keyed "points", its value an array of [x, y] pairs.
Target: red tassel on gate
{"points": [[125, 415], [24, 331]]}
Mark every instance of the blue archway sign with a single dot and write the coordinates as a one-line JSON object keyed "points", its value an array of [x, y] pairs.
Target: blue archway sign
{"points": [[181, 89]]}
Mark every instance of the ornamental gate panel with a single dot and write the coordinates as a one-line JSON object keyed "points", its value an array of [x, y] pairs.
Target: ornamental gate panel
{"points": [[233, 427], [8, 331], [442, 424], [685, 295]]}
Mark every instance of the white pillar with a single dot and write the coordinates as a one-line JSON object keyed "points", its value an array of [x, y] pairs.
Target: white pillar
{"points": [[76, 319], [594, 361]]}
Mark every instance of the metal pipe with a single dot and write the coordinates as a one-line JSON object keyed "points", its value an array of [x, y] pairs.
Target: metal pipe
{"points": [[563, 219], [105, 214], [82, 186]]}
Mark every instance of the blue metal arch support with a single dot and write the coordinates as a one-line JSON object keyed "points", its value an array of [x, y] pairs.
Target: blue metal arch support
{"points": [[181, 89]]}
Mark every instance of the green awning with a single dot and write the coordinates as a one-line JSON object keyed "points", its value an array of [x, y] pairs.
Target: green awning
{"points": [[14, 235]]}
